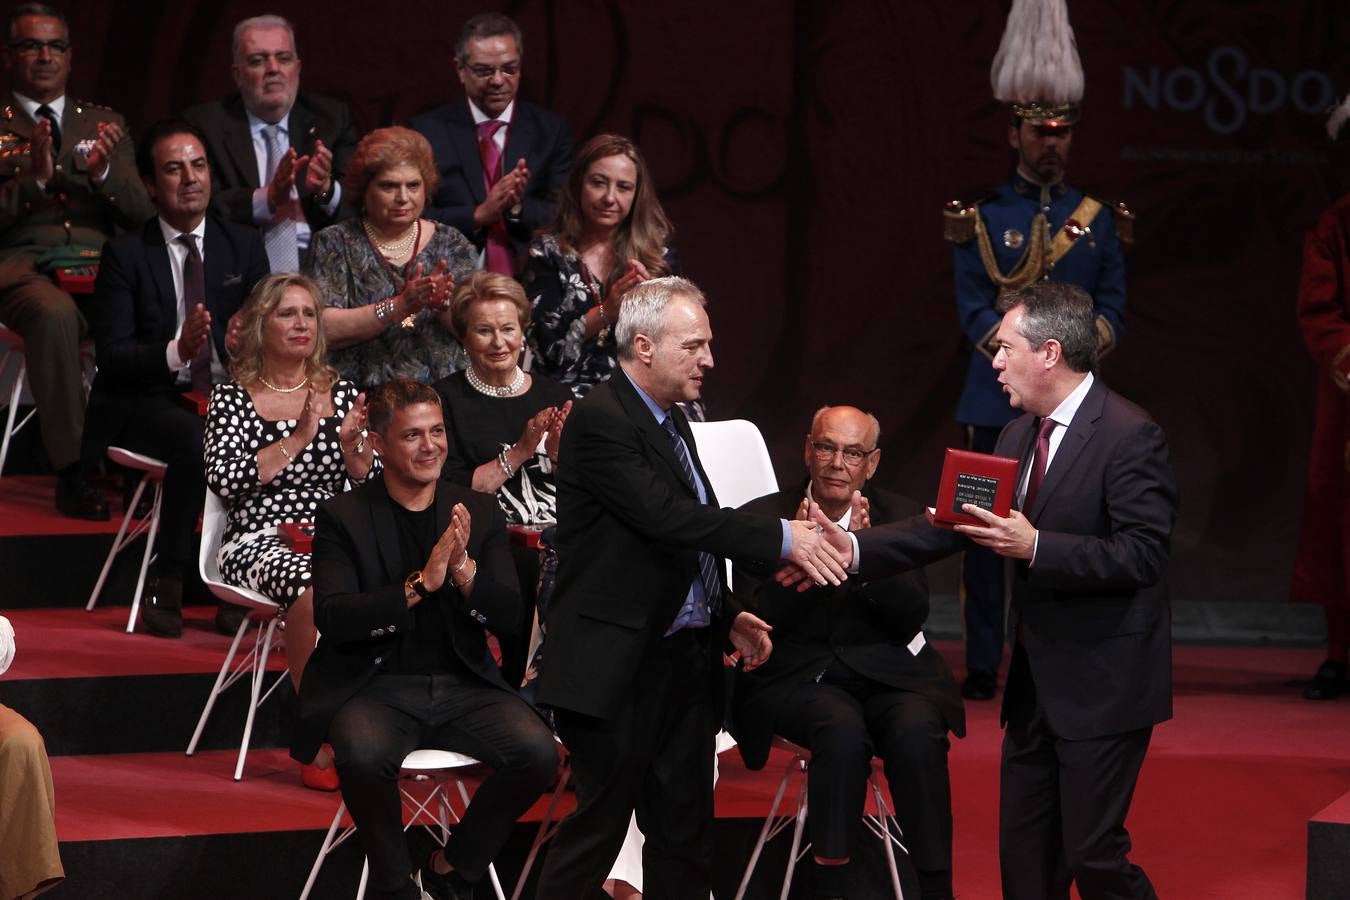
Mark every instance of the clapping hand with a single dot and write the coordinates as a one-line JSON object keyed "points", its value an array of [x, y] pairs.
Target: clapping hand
{"points": [[308, 425], [44, 166], [860, 512], [196, 330], [431, 290], [633, 274], [352, 432], [283, 179], [555, 427], [100, 155], [451, 549], [319, 172]]}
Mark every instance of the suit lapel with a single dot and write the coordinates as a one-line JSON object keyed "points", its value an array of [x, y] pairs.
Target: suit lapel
{"points": [[385, 532], [1080, 432], [519, 138], [297, 129], [215, 266], [238, 144], [464, 138], [652, 431], [157, 253]]}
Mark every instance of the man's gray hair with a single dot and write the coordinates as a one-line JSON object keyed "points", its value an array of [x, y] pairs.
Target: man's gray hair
{"points": [[644, 307], [483, 26], [34, 9], [1061, 312], [874, 424], [267, 21]]}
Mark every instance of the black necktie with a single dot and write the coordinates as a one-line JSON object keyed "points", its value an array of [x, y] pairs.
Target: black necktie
{"points": [[194, 292], [49, 114], [707, 564]]}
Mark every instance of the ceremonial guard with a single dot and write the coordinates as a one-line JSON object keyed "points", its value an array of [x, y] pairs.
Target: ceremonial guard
{"points": [[1035, 227], [1322, 566]]}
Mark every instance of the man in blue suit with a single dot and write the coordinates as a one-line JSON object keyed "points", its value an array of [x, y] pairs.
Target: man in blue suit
{"points": [[501, 161]]}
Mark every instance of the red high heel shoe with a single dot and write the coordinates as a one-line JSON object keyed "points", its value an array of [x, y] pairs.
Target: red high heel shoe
{"points": [[319, 779]]}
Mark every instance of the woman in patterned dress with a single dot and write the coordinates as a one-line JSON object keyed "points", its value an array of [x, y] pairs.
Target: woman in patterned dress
{"points": [[610, 234], [283, 436], [386, 274]]}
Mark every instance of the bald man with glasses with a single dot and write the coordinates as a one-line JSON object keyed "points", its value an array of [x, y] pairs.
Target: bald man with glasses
{"points": [[851, 675]]}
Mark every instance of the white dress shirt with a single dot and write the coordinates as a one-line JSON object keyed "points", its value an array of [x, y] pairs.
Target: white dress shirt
{"points": [[262, 211], [178, 253]]}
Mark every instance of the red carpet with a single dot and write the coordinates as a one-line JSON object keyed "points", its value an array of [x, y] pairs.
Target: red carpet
{"points": [[1221, 810]]}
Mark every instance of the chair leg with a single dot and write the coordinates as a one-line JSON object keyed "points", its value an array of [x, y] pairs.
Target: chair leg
{"points": [[116, 547], [365, 877], [545, 832], [324, 850], [884, 818], [797, 829], [262, 647], [216, 688], [145, 557], [13, 406], [767, 831]]}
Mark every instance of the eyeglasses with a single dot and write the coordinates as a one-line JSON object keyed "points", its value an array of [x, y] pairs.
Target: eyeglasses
{"points": [[825, 452], [483, 73], [31, 47]]}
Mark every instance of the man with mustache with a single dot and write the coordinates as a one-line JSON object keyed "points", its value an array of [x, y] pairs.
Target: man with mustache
{"points": [[1033, 228], [68, 181], [502, 161], [277, 153], [160, 320]]}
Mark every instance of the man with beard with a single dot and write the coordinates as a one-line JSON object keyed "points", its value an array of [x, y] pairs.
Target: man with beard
{"points": [[1033, 228]]}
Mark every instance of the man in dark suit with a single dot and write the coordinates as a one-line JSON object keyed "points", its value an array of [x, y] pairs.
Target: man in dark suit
{"points": [[639, 616], [162, 306], [502, 162], [68, 182], [852, 676], [278, 155], [1091, 623], [408, 572]]}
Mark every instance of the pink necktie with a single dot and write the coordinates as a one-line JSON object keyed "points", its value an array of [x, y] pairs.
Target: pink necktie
{"points": [[500, 256]]}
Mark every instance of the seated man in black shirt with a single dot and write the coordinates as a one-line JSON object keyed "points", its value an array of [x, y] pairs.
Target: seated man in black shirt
{"points": [[408, 572], [851, 675]]}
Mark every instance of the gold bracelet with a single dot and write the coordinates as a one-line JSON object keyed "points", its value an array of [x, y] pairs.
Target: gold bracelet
{"points": [[281, 445]]}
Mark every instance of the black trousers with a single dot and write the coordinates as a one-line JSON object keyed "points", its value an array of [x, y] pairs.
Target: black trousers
{"points": [[396, 714], [983, 582], [844, 721], [654, 757], [1062, 805]]}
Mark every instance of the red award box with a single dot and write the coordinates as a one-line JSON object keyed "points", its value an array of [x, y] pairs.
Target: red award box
{"points": [[525, 535], [299, 536], [979, 478]]}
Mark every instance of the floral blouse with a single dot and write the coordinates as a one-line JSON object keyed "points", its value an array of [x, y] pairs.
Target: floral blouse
{"points": [[562, 291], [352, 274]]}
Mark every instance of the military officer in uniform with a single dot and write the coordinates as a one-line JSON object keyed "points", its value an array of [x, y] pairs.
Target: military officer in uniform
{"points": [[1035, 227], [67, 180]]}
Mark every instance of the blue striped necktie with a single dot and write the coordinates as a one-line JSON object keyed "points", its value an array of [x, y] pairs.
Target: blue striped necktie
{"points": [[707, 564]]}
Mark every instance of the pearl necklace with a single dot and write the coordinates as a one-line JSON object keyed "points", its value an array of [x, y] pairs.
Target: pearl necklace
{"points": [[290, 390], [492, 390], [396, 249]]}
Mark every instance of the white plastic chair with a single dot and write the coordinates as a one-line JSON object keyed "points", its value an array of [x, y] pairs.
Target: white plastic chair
{"points": [[153, 476], [435, 812], [737, 462], [263, 615], [882, 823], [14, 350]]}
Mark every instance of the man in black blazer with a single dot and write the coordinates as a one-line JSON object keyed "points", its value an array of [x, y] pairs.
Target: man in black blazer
{"points": [[308, 140], [852, 676], [408, 572], [532, 148], [1090, 619], [639, 617], [160, 322]]}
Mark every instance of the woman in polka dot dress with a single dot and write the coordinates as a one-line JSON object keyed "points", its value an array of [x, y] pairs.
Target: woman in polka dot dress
{"points": [[283, 437]]}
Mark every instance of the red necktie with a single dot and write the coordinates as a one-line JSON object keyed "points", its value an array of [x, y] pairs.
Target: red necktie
{"points": [[500, 256], [194, 293], [1039, 460]]}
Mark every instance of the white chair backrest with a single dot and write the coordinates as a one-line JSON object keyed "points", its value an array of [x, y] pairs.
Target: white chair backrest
{"points": [[213, 527], [736, 460]]}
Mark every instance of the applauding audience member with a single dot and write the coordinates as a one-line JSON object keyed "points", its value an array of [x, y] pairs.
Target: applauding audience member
{"points": [[504, 426], [610, 235], [409, 570], [278, 154], [387, 274], [501, 161], [281, 438], [75, 186], [161, 321]]}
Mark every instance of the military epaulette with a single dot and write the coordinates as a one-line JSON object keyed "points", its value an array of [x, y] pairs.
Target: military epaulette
{"points": [[1123, 217], [82, 105], [958, 220]]}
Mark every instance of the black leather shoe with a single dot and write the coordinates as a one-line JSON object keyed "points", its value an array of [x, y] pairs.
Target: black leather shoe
{"points": [[449, 886], [78, 500], [162, 610], [1329, 682], [979, 685], [228, 617]]}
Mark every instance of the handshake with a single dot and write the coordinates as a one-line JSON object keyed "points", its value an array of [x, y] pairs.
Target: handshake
{"points": [[821, 551]]}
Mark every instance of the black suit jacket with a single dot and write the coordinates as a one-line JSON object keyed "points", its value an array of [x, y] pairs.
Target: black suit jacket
{"points": [[134, 314], [1093, 611], [234, 163], [629, 531], [867, 626], [542, 138], [360, 608]]}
